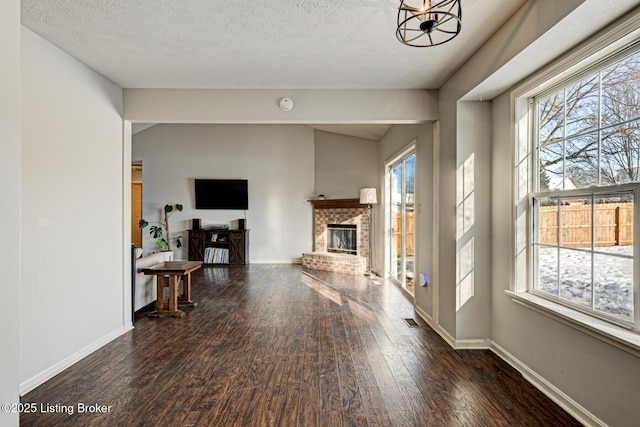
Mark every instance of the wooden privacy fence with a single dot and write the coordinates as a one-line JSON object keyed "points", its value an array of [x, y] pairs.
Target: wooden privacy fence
{"points": [[411, 231], [613, 225]]}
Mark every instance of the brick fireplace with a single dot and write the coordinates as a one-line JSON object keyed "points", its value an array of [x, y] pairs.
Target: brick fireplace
{"points": [[342, 215]]}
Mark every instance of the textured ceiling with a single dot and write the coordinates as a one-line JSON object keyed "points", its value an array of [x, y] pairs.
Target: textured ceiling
{"points": [[287, 44], [259, 44]]}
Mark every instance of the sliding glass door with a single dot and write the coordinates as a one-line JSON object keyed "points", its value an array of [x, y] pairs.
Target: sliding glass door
{"points": [[402, 219]]}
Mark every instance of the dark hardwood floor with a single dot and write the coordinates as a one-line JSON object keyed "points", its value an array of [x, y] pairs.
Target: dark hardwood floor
{"points": [[274, 345]]}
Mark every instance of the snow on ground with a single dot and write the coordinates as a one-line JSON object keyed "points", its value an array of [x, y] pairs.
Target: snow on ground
{"points": [[612, 273]]}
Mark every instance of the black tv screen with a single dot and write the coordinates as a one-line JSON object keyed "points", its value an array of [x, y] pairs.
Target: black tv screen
{"points": [[222, 194]]}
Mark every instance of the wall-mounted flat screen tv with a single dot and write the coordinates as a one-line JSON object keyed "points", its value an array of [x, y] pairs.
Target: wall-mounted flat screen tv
{"points": [[232, 194]]}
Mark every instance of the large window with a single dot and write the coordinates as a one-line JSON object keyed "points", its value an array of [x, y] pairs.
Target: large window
{"points": [[586, 155]]}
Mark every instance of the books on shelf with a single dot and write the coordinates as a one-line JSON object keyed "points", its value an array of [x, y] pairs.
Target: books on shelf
{"points": [[216, 256]]}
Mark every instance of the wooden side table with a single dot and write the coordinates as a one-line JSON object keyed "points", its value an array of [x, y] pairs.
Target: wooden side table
{"points": [[170, 274]]}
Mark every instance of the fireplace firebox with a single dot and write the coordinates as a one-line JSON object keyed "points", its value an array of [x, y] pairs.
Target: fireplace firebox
{"points": [[342, 238]]}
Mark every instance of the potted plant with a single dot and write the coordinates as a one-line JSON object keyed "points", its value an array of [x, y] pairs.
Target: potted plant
{"points": [[160, 231]]}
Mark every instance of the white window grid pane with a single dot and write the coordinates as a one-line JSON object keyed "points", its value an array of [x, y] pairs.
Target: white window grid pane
{"points": [[601, 131], [579, 282]]}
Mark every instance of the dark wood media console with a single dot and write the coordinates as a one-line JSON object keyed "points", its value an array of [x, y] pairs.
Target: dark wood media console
{"points": [[219, 246]]}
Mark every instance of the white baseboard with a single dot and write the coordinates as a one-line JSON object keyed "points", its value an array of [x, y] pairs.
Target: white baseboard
{"points": [[425, 316], [476, 344], [561, 399], [54, 370], [439, 329], [548, 389]]}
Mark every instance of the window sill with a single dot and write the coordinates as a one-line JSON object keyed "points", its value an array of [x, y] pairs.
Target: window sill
{"points": [[604, 331]]}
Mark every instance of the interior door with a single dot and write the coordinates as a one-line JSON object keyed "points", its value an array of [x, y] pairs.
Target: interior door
{"points": [[136, 214]]}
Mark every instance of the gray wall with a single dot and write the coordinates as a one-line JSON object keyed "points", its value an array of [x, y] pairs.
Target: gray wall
{"points": [[286, 165], [73, 275], [10, 196], [600, 377], [396, 139], [595, 380], [474, 145], [278, 161], [344, 164], [499, 61]]}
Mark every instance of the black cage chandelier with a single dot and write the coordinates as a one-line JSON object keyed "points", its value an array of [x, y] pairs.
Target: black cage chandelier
{"points": [[424, 23]]}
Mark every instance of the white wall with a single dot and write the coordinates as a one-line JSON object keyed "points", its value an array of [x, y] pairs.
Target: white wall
{"points": [[395, 140], [72, 240], [278, 161], [344, 164], [10, 212]]}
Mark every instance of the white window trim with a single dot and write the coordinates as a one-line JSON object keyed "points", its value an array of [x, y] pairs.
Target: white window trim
{"points": [[593, 50]]}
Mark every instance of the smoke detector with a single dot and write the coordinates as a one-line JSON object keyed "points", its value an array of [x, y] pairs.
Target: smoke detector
{"points": [[286, 104]]}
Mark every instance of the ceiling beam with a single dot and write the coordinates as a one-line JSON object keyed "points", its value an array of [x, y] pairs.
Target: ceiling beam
{"points": [[261, 106]]}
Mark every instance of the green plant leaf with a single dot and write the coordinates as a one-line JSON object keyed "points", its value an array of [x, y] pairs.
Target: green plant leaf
{"points": [[162, 244], [143, 223], [179, 207], [156, 231], [168, 208]]}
